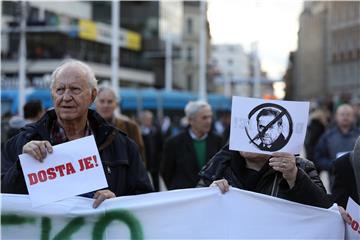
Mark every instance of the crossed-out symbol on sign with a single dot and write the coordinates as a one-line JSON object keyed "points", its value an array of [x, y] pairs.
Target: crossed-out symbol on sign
{"points": [[280, 112]]}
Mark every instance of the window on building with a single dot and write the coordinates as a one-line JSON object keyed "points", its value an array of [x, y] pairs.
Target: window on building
{"points": [[230, 61], [33, 15], [11, 8], [189, 54], [189, 25]]}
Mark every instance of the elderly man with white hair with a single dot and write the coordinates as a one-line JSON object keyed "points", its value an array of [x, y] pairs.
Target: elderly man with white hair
{"points": [[106, 105], [186, 153], [73, 89]]}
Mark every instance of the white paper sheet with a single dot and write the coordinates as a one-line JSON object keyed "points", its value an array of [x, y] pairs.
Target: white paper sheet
{"points": [[252, 129], [73, 168], [352, 230]]}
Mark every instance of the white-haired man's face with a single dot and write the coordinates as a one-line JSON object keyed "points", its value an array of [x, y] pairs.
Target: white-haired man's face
{"points": [[72, 95], [106, 104], [201, 123]]}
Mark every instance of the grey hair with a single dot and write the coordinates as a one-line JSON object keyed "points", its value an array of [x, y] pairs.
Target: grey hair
{"points": [[70, 63], [193, 107], [107, 87]]}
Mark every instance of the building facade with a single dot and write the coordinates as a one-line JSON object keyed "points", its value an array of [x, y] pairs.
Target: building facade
{"points": [[186, 65], [343, 52], [327, 61], [234, 71], [232, 66], [82, 30], [310, 56]]}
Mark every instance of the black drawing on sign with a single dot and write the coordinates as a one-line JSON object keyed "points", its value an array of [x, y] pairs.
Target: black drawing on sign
{"points": [[274, 127]]}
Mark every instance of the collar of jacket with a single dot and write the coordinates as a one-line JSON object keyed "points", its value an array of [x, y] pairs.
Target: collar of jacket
{"points": [[104, 133]]}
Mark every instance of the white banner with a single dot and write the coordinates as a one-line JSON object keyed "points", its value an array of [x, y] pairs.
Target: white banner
{"points": [[202, 213]]}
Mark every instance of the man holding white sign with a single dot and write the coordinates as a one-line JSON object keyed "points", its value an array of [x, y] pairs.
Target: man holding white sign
{"points": [[73, 89], [245, 165]]}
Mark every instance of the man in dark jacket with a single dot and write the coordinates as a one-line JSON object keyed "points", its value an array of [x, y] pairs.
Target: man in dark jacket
{"points": [[347, 177], [73, 89], [338, 139], [186, 153], [153, 143], [280, 175]]}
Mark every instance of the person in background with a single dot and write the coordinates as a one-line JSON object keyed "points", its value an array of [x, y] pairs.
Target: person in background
{"points": [[106, 104], [5, 127], [222, 126], [166, 127], [279, 175], [153, 142], [186, 153], [15, 125], [337, 140], [73, 90], [318, 123], [33, 111]]}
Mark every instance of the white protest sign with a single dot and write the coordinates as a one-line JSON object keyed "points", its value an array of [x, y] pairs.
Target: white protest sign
{"points": [[353, 230], [265, 126], [73, 168]]}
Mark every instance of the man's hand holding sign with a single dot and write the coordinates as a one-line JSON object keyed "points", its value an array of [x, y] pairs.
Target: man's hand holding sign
{"points": [[265, 139], [38, 149], [286, 164]]}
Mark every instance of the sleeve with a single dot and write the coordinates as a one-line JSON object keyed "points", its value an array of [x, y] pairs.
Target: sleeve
{"points": [[309, 188], [322, 159], [340, 189], [219, 143], [12, 178], [216, 167], [168, 166]]}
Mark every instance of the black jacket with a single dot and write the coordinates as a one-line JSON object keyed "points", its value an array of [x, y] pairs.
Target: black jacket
{"points": [[344, 185], [125, 172], [180, 168], [308, 187]]}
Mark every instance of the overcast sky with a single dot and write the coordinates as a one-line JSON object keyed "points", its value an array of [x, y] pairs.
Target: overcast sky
{"points": [[272, 23]]}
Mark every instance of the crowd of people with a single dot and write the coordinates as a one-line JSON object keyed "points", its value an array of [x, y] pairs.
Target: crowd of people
{"points": [[136, 154]]}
